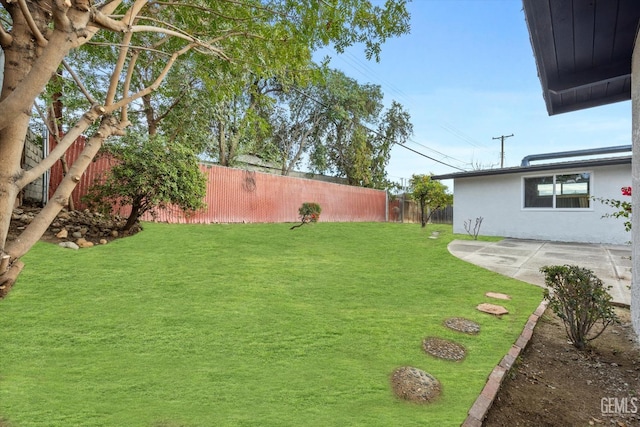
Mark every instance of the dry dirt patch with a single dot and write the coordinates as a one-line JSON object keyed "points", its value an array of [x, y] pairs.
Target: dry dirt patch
{"points": [[554, 384]]}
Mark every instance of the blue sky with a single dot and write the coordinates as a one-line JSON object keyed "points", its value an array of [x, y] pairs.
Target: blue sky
{"points": [[467, 74]]}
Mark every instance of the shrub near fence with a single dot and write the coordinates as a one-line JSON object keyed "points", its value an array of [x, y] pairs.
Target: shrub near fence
{"points": [[236, 195]]}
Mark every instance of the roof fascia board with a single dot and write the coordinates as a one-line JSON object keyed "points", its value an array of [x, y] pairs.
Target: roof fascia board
{"points": [[537, 168]]}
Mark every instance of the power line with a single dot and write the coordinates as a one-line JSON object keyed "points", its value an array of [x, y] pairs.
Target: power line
{"points": [[437, 152], [430, 158], [461, 135]]}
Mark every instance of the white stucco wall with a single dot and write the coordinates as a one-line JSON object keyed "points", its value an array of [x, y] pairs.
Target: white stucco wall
{"points": [[635, 138], [498, 199]]}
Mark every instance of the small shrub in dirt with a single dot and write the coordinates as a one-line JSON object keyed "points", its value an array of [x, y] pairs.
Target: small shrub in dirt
{"points": [[580, 299]]}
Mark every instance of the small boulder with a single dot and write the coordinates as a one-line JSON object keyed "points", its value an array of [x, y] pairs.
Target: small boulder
{"points": [[69, 245], [62, 234], [103, 241], [84, 243]]}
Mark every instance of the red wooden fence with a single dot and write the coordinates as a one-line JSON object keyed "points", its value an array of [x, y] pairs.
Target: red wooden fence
{"points": [[236, 195]]}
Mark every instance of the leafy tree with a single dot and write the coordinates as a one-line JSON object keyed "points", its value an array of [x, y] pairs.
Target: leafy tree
{"points": [[356, 139], [38, 37], [429, 194], [296, 122], [150, 173], [394, 128]]}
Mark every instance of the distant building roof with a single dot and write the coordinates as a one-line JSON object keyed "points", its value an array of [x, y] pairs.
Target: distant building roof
{"points": [[575, 164]]}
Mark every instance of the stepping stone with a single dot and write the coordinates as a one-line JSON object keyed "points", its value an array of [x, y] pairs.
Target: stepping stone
{"points": [[497, 295], [444, 349], [414, 384], [461, 324], [497, 310]]}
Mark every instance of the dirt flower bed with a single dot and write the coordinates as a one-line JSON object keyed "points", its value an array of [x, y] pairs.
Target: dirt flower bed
{"points": [[553, 384]]}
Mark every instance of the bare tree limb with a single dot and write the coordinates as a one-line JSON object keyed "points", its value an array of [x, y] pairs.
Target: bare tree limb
{"points": [[59, 8], [81, 86], [87, 119], [126, 100], [127, 83], [117, 70], [5, 38], [32, 24]]}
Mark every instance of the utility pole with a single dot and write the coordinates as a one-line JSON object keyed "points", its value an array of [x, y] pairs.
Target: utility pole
{"points": [[501, 138]]}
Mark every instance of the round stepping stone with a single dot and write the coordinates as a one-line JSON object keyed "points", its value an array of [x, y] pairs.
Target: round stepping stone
{"points": [[444, 349], [461, 324], [497, 295], [415, 385], [494, 309]]}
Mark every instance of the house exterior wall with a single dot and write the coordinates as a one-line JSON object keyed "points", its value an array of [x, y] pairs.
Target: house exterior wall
{"points": [[635, 137], [498, 199]]}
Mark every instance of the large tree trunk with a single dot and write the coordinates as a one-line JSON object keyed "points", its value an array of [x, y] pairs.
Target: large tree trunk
{"points": [[21, 245], [30, 61], [133, 216]]}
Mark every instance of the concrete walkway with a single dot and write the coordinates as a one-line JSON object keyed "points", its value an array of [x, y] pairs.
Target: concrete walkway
{"points": [[522, 259]]}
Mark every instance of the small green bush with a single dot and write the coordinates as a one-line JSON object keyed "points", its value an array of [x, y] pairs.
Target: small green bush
{"points": [[309, 212], [580, 299]]}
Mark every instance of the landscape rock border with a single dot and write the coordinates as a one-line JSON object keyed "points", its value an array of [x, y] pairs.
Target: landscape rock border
{"points": [[82, 228]]}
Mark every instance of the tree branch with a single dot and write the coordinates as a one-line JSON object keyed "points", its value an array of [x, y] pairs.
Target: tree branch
{"points": [[126, 100], [59, 8], [32, 24], [127, 84], [115, 75], [40, 223], [5, 38], [87, 119], [76, 79]]}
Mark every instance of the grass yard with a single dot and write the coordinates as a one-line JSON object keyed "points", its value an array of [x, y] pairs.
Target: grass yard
{"points": [[247, 325]]}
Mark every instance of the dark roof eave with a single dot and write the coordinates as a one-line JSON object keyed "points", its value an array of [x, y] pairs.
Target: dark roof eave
{"points": [[537, 168]]}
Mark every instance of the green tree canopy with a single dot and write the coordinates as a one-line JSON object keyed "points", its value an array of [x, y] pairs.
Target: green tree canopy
{"points": [[429, 194], [357, 136], [150, 173]]}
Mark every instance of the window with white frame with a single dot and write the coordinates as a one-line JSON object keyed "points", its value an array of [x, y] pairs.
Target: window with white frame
{"points": [[558, 191]]}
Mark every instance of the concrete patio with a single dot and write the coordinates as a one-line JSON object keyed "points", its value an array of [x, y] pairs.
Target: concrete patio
{"points": [[522, 260]]}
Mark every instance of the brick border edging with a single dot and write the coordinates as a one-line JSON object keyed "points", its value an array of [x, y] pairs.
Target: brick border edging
{"points": [[482, 404]]}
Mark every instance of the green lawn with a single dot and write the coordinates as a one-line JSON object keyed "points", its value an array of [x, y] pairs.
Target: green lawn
{"points": [[256, 325]]}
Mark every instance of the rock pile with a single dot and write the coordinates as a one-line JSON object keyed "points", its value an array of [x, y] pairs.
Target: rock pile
{"points": [[72, 229]]}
